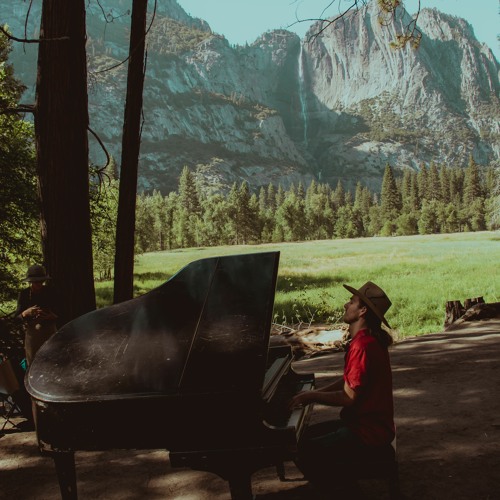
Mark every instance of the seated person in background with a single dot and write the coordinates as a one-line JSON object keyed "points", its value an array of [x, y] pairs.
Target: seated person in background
{"points": [[35, 307], [366, 424]]}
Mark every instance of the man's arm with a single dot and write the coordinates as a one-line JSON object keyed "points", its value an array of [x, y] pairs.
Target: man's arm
{"points": [[336, 394], [334, 386]]}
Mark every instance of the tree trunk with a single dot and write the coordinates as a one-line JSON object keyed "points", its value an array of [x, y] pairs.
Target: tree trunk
{"points": [[125, 227], [61, 121], [454, 310]]}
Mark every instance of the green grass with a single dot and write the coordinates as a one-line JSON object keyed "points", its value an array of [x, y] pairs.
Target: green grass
{"points": [[419, 273]]}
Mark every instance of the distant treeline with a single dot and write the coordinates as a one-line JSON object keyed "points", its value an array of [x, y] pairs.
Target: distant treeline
{"points": [[434, 199]]}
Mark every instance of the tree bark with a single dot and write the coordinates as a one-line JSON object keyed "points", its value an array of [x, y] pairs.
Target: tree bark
{"points": [[454, 310], [125, 227], [61, 121]]}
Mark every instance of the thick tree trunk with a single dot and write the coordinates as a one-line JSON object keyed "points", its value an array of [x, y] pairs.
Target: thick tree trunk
{"points": [[61, 121], [125, 228]]}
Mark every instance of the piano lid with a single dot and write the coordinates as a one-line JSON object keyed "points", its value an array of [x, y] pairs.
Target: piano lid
{"points": [[206, 329]]}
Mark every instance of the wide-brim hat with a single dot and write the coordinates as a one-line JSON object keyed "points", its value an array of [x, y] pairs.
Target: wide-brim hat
{"points": [[374, 297], [36, 273]]}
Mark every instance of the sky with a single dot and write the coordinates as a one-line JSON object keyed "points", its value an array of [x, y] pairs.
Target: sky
{"points": [[242, 21]]}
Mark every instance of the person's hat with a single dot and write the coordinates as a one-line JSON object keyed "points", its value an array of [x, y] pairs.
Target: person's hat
{"points": [[374, 297], [36, 273]]}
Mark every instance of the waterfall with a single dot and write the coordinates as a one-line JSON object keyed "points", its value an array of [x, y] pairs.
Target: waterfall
{"points": [[302, 92]]}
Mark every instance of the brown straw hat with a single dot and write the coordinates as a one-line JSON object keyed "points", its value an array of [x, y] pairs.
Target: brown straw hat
{"points": [[374, 297], [36, 273]]}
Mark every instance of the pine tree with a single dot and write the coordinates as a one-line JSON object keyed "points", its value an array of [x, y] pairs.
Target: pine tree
{"points": [[280, 196], [215, 228], [428, 221], [390, 199], [433, 183], [246, 214], [338, 196], [422, 183], [318, 213], [188, 211], [271, 197], [456, 185], [444, 178], [189, 198], [472, 183]]}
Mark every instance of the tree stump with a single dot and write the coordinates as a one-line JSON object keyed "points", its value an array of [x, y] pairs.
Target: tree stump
{"points": [[468, 303], [454, 310]]}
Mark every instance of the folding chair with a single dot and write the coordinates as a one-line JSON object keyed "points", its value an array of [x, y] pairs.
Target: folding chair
{"points": [[8, 386]]}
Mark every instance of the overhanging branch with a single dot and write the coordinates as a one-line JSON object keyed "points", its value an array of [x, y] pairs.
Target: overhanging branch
{"points": [[31, 40]]}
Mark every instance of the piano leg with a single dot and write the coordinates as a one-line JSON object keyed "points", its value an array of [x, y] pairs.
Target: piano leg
{"points": [[280, 471], [240, 487], [66, 474]]}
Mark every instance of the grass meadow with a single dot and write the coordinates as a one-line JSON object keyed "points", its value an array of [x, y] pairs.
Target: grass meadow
{"points": [[419, 273]]}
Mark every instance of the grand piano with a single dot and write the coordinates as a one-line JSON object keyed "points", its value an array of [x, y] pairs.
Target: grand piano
{"points": [[187, 367]]}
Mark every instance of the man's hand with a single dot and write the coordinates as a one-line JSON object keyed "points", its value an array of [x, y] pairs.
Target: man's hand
{"points": [[343, 397], [32, 312], [300, 399]]}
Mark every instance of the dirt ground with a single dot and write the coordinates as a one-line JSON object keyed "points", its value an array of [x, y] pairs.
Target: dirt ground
{"points": [[448, 444]]}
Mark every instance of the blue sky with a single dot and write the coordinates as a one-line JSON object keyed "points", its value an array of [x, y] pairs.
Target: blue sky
{"points": [[243, 21]]}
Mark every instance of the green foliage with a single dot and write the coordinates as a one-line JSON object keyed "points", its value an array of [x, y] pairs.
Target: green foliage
{"points": [[19, 226], [103, 214], [168, 36], [436, 199]]}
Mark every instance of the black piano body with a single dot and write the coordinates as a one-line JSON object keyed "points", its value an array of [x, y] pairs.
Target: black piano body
{"points": [[186, 367]]}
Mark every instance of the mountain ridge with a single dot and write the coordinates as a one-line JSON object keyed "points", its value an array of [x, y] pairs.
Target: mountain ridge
{"points": [[282, 110]]}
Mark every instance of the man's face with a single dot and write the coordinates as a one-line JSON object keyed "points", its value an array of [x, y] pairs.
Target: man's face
{"points": [[36, 286], [353, 309]]}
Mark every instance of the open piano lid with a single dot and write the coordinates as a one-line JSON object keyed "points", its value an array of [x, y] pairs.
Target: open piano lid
{"points": [[205, 329]]}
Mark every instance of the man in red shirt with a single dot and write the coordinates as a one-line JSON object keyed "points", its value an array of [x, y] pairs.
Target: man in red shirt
{"points": [[366, 424]]}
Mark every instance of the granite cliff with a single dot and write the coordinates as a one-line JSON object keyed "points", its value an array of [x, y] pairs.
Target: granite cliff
{"points": [[281, 110]]}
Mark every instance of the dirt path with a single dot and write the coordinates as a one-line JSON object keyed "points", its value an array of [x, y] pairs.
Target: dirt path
{"points": [[447, 414]]}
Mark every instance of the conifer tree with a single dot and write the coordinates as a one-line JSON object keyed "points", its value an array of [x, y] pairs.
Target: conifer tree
{"points": [[233, 211], [358, 193], [444, 179], [189, 198], [390, 199], [472, 183], [215, 228], [280, 197], [338, 196], [271, 197], [422, 183], [188, 211], [301, 193], [456, 185], [265, 217], [433, 183], [428, 221], [246, 214]]}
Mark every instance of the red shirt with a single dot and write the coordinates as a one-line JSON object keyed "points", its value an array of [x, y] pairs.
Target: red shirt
{"points": [[367, 372]]}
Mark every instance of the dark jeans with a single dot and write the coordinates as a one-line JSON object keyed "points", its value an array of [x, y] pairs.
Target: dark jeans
{"points": [[325, 451], [21, 396]]}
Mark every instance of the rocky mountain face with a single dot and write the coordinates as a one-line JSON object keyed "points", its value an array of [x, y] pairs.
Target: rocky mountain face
{"points": [[334, 107]]}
